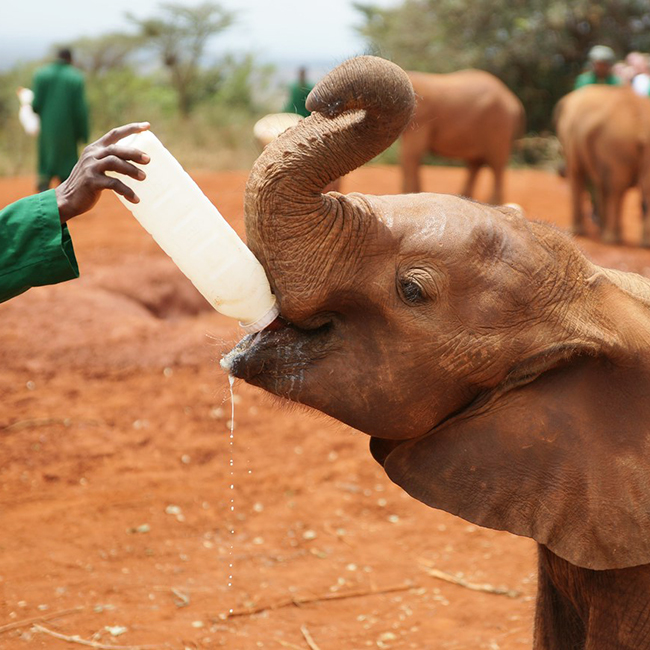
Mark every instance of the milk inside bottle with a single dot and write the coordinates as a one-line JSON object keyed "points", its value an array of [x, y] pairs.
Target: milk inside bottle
{"points": [[190, 229]]}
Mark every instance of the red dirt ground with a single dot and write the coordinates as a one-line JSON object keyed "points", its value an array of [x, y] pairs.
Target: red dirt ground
{"points": [[115, 486]]}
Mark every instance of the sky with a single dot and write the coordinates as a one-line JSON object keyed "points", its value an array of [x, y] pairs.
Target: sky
{"points": [[286, 31]]}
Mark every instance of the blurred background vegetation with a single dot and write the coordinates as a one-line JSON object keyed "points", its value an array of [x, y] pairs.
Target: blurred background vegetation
{"points": [[204, 107], [536, 47]]}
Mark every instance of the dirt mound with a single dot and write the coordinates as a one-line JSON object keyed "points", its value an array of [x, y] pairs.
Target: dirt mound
{"points": [[156, 284]]}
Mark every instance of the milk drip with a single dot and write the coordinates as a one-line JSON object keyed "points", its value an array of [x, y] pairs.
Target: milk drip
{"points": [[190, 229]]}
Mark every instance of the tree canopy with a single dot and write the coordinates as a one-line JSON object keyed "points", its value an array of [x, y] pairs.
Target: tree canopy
{"points": [[180, 35], [537, 47]]}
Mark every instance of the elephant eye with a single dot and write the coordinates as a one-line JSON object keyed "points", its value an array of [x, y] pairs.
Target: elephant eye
{"points": [[411, 292]]}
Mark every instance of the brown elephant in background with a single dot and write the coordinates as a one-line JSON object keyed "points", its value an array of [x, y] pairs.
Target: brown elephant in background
{"points": [[468, 115], [501, 375], [605, 133]]}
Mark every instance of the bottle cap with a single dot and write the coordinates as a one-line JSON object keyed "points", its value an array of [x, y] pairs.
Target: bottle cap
{"points": [[263, 321]]}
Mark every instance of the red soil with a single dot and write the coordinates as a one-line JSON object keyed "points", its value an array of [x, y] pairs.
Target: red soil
{"points": [[113, 408]]}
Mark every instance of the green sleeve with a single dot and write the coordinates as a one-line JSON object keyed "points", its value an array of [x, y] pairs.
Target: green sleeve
{"points": [[581, 81], [36, 249]]}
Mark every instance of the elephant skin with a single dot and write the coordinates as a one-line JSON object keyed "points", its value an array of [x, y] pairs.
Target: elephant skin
{"points": [[269, 127], [604, 131], [468, 115], [501, 375]]}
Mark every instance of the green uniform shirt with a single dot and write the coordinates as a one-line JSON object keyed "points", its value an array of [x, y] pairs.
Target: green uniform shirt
{"points": [[35, 249], [589, 78], [60, 101], [297, 97]]}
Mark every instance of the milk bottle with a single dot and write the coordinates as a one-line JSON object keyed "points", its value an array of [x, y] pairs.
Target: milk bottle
{"points": [[28, 119], [193, 233]]}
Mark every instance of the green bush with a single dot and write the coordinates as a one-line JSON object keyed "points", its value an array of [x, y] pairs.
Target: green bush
{"points": [[217, 134]]}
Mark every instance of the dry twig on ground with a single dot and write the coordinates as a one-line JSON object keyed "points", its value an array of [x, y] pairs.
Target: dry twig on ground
{"points": [[310, 642], [249, 611], [34, 423], [91, 644], [286, 644], [461, 582], [36, 619]]}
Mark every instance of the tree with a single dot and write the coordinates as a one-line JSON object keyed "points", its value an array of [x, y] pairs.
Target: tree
{"points": [[180, 36], [97, 55], [537, 47]]}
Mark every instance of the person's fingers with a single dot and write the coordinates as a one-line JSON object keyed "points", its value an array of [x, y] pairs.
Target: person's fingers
{"points": [[122, 152], [116, 164], [118, 186], [122, 131]]}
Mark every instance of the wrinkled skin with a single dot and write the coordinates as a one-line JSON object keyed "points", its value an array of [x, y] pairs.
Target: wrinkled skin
{"points": [[604, 131], [501, 376], [468, 115]]}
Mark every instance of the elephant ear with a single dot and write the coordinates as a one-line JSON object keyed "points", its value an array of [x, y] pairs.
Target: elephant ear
{"points": [[564, 460]]}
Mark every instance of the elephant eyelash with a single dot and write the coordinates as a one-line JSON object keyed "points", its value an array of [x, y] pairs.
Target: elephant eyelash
{"points": [[411, 292]]}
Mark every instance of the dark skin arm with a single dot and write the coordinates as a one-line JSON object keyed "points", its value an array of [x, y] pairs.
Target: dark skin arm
{"points": [[81, 190]]}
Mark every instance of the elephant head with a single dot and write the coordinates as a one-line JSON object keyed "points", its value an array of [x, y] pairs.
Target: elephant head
{"points": [[502, 376]]}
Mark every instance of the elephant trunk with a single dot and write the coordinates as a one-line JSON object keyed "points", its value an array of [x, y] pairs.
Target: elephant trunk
{"points": [[297, 232]]}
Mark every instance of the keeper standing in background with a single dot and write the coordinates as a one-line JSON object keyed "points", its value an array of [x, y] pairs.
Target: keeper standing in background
{"points": [[298, 92], [60, 101]]}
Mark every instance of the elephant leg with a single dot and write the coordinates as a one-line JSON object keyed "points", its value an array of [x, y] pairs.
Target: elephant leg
{"points": [[413, 148], [473, 169], [577, 183], [596, 199], [585, 609], [558, 625], [497, 191], [645, 217], [611, 217]]}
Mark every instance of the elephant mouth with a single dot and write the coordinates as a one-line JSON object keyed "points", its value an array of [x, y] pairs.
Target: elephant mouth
{"points": [[278, 358]]}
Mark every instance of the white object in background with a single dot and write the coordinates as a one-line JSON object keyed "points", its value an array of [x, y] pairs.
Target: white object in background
{"points": [[190, 229], [269, 127], [641, 84], [29, 120]]}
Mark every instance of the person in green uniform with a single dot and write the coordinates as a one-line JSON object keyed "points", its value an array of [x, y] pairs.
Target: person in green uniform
{"points": [[298, 92], [601, 60], [60, 101], [36, 245]]}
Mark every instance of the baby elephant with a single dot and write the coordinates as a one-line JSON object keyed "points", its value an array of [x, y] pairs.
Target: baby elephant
{"points": [[501, 376], [468, 115], [605, 134]]}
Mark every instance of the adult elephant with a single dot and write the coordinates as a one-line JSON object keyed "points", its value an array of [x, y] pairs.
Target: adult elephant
{"points": [[501, 375], [468, 115], [605, 133]]}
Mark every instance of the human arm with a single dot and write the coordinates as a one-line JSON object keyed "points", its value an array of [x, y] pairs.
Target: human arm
{"points": [[81, 190], [37, 248]]}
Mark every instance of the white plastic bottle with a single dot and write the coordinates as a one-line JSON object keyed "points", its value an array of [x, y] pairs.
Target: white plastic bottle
{"points": [[190, 229], [28, 119]]}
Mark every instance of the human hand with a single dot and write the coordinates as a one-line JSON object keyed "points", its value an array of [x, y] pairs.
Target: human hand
{"points": [[81, 190]]}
